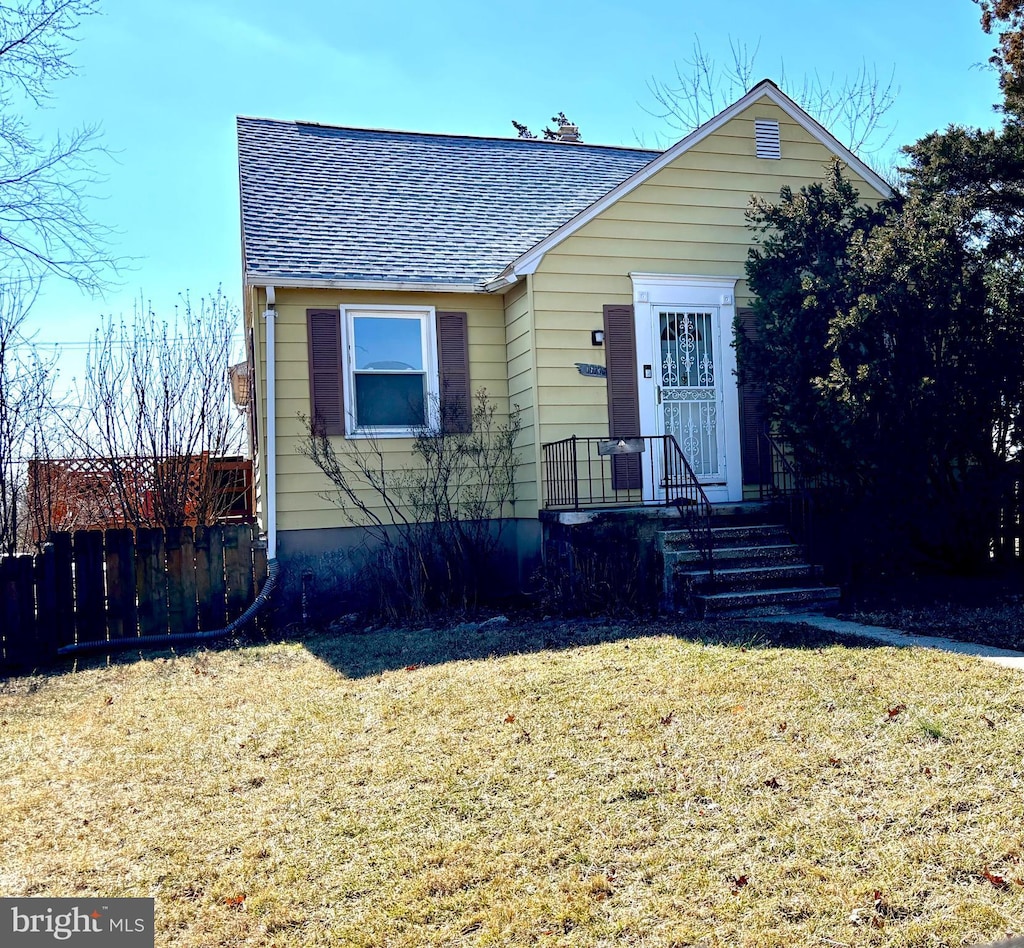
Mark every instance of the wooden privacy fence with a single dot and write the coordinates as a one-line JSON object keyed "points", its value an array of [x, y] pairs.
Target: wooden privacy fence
{"points": [[119, 585]]}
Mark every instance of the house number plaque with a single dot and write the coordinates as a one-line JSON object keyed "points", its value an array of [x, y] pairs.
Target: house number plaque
{"points": [[620, 446]]}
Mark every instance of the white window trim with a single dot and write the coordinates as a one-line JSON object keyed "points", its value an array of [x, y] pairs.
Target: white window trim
{"points": [[428, 315]]}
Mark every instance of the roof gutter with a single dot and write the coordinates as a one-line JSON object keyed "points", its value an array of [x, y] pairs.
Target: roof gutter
{"points": [[503, 282], [390, 285]]}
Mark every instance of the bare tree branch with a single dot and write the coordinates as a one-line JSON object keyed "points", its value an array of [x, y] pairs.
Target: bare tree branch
{"points": [[26, 381], [853, 108], [157, 409], [46, 186]]}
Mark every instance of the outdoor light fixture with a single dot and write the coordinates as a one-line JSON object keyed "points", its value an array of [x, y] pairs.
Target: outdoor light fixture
{"points": [[597, 337]]}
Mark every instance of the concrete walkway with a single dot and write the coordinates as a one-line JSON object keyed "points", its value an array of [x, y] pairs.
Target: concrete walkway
{"points": [[998, 656]]}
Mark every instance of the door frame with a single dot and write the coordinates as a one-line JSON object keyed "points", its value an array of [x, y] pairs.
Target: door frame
{"points": [[651, 292]]}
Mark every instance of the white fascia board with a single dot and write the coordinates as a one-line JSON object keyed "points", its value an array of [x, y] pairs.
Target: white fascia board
{"points": [[389, 286], [529, 261]]}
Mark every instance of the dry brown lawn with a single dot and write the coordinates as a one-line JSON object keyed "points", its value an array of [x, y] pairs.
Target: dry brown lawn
{"points": [[626, 787]]}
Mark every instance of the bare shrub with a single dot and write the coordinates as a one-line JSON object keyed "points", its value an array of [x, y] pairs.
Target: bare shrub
{"points": [[437, 522]]}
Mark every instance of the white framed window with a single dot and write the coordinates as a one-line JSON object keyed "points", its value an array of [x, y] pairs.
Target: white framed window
{"points": [[390, 368]]}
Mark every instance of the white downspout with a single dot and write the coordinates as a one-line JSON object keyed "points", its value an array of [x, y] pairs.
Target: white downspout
{"points": [[270, 315]]}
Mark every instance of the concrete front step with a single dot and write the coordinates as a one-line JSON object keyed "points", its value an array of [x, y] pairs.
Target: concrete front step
{"points": [[751, 535], [747, 512], [758, 570], [767, 601], [749, 577], [735, 557]]}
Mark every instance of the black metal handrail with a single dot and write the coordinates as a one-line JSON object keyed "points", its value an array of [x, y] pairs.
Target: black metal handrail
{"points": [[787, 485], [584, 472], [690, 500]]}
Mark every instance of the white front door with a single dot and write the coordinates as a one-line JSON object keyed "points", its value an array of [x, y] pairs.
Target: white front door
{"points": [[686, 371]]}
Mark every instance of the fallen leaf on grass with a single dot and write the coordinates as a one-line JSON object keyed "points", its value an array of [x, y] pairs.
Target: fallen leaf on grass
{"points": [[895, 711], [782, 726], [872, 916], [772, 783], [235, 901], [412, 668], [997, 880], [738, 882], [988, 721], [510, 719], [668, 718]]}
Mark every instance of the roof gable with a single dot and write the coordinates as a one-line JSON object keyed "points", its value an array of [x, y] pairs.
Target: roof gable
{"points": [[528, 262]]}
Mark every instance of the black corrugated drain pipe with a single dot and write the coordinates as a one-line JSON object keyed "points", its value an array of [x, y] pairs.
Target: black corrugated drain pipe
{"points": [[182, 638]]}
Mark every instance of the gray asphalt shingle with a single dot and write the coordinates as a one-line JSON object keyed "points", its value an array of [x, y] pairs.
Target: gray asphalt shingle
{"points": [[360, 204]]}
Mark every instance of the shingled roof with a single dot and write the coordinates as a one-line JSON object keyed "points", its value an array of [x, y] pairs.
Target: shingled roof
{"points": [[321, 203]]}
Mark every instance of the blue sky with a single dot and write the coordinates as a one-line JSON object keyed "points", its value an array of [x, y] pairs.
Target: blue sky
{"points": [[165, 80]]}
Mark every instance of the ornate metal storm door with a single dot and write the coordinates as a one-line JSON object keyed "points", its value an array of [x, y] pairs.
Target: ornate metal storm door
{"points": [[690, 387]]}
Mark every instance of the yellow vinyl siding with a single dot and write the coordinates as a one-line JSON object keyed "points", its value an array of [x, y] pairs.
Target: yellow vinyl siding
{"points": [[689, 219], [520, 367], [712, 232], [299, 482]]}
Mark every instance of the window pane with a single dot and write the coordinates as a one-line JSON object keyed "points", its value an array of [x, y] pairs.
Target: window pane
{"points": [[384, 401], [388, 343]]}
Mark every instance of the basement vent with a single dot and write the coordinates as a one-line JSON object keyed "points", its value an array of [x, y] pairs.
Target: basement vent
{"points": [[766, 136]]}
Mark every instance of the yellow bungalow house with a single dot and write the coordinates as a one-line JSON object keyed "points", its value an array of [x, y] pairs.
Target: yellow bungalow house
{"points": [[594, 287]]}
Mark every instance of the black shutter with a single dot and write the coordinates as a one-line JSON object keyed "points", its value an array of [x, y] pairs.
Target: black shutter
{"points": [[327, 406], [623, 392], [453, 372], [752, 412]]}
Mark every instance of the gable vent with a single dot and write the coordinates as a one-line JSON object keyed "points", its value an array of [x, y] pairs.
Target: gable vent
{"points": [[766, 136]]}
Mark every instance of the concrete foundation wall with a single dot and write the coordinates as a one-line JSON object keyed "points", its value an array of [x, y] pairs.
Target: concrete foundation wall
{"points": [[322, 571], [601, 560]]}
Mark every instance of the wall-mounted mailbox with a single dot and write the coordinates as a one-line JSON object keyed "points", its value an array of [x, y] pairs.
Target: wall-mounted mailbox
{"points": [[620, 446]]}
